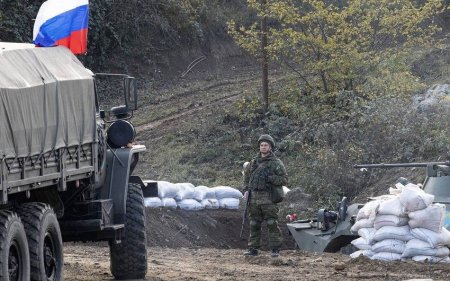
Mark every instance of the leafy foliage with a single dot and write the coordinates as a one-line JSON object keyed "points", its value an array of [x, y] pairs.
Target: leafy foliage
{"points": [[344, 45]]}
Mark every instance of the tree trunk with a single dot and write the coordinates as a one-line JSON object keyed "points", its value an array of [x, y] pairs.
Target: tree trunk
{"points": [[264, 63]]}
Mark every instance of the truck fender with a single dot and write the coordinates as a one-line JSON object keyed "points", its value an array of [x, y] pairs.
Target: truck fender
{"points": [[120, 163]]}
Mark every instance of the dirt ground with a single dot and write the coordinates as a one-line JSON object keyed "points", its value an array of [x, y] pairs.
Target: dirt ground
{"points": [[205, 245]]}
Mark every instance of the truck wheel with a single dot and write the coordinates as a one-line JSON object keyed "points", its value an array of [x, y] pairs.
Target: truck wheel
{"points": [[45, 241], [14, 256], [129, 258]]}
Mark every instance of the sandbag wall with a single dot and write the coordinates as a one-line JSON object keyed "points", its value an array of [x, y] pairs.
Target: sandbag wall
{"points": [[186, 196], [403, 225]]}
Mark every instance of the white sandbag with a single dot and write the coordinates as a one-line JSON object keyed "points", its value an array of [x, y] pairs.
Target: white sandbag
{"points": [[402, 233], [389, 245], [210, 203], [389, 220], [367, 233], [227, 192], [199, 193], [169, 203], [189, 205], [383, 197], [229, 203], [416, 247], [431, 259], [432, 218], [386, 256], [397, 189], [185, 191], [362, 223], [367, 253], [433, 238], [369, 210], [285, 190], [152, 202], [208, 192], [167, 189], [392, 207], [413, 198], [361, 244]]}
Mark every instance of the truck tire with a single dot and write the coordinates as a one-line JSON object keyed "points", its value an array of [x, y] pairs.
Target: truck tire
{"points": [[44, 240], [14, 256], [129, 258]]}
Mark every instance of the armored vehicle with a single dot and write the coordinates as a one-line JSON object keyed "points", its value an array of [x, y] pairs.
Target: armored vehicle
{"points": [[66, 166], [330, 230]]}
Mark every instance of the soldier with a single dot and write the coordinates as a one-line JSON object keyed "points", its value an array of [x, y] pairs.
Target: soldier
{"points": [[264, 173]]}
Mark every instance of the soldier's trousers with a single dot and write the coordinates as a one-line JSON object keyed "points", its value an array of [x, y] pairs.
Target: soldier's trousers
{"points": [[259, 213]]}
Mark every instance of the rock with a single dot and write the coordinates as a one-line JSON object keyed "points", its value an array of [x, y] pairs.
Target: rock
{"points": [[438, 94], [339, 266]]}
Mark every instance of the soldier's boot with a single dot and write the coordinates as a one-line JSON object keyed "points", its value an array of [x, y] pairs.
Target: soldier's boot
{"points": [[275, 253], [251, 252]]}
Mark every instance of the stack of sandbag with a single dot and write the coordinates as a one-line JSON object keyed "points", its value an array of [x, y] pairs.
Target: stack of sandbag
{"points": [[426, 221], [167, 192], [393, 227], [186, 196], [227, 196], [206, 196]]}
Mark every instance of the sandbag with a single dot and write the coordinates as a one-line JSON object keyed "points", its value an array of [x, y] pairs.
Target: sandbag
{"points": [[434, 239], [386, 256], [152, 202], [431, 259], [369, 210], [167, 189], [432, 218], [185, 191], [285, 190], [397, 189], [199, 193], [361, 244], [416, 247], [210, 203], [402, 233], [362, 223], [367, 253], [367, 233], [189, 205], [226, 192], [389, 245], [389, 220], [392, 207], [208, 192], [413, 198], [229, 203], [169, 203]]}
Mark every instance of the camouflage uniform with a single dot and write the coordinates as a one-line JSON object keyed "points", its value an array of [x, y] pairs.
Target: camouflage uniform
{"points": [[260, 175]]}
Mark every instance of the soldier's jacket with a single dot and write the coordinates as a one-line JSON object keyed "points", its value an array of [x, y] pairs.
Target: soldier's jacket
{"points": [[261, 175]]}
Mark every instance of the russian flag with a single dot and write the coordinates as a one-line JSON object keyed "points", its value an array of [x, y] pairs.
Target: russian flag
{"points": [[62, 22]]}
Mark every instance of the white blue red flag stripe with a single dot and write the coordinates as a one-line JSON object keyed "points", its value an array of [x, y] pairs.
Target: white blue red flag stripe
{"points": [[62, 22]]}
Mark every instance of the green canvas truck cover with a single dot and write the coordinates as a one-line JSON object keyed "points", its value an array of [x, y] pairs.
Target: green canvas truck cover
{"points": [[46, 100]]}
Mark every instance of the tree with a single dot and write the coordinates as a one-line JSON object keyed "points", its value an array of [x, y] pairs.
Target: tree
{"points": [[356, 45]]}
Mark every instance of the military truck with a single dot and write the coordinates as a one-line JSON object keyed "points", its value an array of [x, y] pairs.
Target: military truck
{"points": [[66, 166], [330, 230]]}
